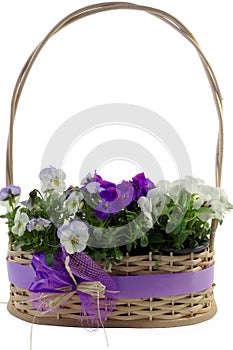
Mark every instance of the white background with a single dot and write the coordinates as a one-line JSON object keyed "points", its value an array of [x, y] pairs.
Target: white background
{"points": [[117, 57]]}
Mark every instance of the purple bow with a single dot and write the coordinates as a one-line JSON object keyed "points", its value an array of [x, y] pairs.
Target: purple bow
{"points": [[56, 280]]}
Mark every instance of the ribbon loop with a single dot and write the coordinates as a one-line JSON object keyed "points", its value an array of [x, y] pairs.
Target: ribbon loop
{"points": [[70, 274]]}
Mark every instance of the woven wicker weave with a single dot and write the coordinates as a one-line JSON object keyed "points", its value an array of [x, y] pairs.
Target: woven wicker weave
{"points": [[153, 312]]}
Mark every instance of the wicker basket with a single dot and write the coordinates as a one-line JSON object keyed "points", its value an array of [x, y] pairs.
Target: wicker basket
{"points": [[168, 311]]}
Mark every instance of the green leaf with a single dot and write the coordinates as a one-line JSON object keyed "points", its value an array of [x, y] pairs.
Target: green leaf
{"points": [[182, 236], [131, 214], [17, 245], [184, 199], [99, 255], [204, 210], [118, 254], [49, 258], [129, 247], [8, 215], [3, 216], [98, 233], [108, 266], [174, 222], [144, 241]]}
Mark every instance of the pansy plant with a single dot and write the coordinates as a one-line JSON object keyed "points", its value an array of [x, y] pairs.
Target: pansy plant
{"points": [[107, 220]]}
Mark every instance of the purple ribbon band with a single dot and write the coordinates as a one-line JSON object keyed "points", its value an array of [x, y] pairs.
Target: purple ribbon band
{"points": [[148, 286], [162, 285]]}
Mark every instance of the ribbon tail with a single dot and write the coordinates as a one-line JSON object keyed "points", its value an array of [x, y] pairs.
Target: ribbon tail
{"points": [[95, 309], [75, 273]]}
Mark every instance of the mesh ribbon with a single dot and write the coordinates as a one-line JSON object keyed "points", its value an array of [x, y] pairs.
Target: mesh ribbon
{"points": [[54, 285]]}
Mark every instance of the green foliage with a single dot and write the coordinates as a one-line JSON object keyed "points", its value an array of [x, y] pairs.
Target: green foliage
{"points": [[178, 227]]}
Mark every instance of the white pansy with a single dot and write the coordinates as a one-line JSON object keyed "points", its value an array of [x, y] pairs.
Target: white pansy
{"points": [[163, 186], [86, 179], [190, 184], [154, 203], [74, 237], [94, 187], [74, 202], [214, 198], [20, 222], [223, 198], [9, 196], [38, 224], [52, 179], [203, 196], [158, 200], [146, 207], [6, 204]]}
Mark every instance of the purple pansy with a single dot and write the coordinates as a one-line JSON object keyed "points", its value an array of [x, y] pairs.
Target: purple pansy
{"points": [[103, 210], [114, 200], [127, 192], [103, 183], [95, 184], [109, 194], [9, 192], [142, 185]]}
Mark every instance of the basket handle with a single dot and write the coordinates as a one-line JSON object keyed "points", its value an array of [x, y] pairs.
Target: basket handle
{"points": [[92, 9]]}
